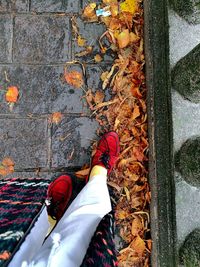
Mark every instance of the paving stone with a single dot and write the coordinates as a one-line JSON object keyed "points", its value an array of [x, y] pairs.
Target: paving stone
{"points": [[41, 90], [92, 32], [25, 141], [41, 39], [71, 141], [55, 6], [14, 5], [188, 161], [185, 76], [190, 250], [5, 38], [188, 9]]}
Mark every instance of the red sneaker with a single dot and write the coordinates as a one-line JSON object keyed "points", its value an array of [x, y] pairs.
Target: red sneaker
{"points": [[58, 195], [107, 151]]}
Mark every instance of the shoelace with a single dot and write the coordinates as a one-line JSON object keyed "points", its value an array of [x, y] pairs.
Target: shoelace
{"points": [[105, 157]]}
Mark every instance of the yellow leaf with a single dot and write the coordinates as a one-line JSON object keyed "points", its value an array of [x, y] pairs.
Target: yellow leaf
{"points": [[81, 41], [130, 6], [123, 38], [127, 193]]}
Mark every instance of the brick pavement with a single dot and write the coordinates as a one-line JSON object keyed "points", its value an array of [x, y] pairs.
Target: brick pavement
{"points": [[35, 42]]}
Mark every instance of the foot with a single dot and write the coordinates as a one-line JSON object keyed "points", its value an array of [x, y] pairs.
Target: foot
{"points": [[58, 195], [107, 151]]}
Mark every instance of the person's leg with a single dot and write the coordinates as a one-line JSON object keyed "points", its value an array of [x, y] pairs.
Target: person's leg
{"points": [[68, 242]]}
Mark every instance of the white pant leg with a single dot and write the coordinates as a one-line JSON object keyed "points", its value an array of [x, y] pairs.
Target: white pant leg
{"points": [[32, 242], [76, 227]]}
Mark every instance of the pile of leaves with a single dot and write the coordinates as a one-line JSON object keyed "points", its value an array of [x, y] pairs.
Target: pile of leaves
{"points": [[125, 113]]}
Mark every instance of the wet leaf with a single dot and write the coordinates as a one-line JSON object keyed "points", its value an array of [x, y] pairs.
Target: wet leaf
{"points": [[12, 94], [74, 78]]}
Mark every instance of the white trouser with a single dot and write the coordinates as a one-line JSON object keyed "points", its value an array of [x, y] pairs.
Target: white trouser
{"points": [[68, 242]]}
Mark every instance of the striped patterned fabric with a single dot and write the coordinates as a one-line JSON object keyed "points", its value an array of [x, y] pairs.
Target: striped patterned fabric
{"points": [[21, 200]]}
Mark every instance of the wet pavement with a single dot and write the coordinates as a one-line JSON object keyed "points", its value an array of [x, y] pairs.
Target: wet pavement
{"points": [[36, 41]]}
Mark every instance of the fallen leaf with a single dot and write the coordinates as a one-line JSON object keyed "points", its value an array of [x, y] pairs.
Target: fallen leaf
{"points": [[136, 112], [130, 6], [12, 94], [85, 52], [99, 97], [123, 38], [56, 117], [98, 58], [74, 78], [81, 41], [137, 226], [89, 11], [138, 245], [82, 173], [7, 162]]}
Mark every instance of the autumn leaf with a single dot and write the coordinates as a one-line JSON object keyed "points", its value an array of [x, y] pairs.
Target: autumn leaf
{"points": [[98, 58], [99, 97], [81, 41], [56, 117], [130, 6], [74, 78], [123, 38], [6, 166], [83, 173], [12, 94], [138, 245], [137, 226], [89, 11]]}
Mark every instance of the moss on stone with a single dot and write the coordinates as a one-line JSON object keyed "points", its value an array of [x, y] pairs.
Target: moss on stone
{"points": [[189, 161], [188, 9], [190, 250], [186, 76]]}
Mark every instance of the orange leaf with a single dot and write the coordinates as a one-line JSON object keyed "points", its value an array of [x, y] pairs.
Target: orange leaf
{"points": [[137, 226], [7, 162], [74, 78], [136, 112], [56, 117], [5, 255], [123, 38], [89, 11], [138, 245], [12, 94], [83, 173]]}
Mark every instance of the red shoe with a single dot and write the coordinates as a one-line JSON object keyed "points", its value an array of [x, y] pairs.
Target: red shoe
{"points": [[58, 195], [107, 151]]}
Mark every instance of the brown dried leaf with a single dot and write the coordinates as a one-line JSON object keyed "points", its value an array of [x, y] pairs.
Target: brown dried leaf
{"points": [[138, 245], [98, 58], [7, 162], [137, 226], [56, 117], [99, 97], [83, 173]]}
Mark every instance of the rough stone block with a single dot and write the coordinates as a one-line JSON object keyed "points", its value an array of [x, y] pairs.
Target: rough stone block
{"points": [[92, 32], [55, 6], [190, 250], [25, 141], [71, 141], [188, 9], [5, 38], [188, 161], [14, 6], [185, 76], [41, 90], [41, 39]]}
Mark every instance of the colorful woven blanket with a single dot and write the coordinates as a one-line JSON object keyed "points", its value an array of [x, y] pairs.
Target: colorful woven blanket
{"points": [[21, 201]]}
